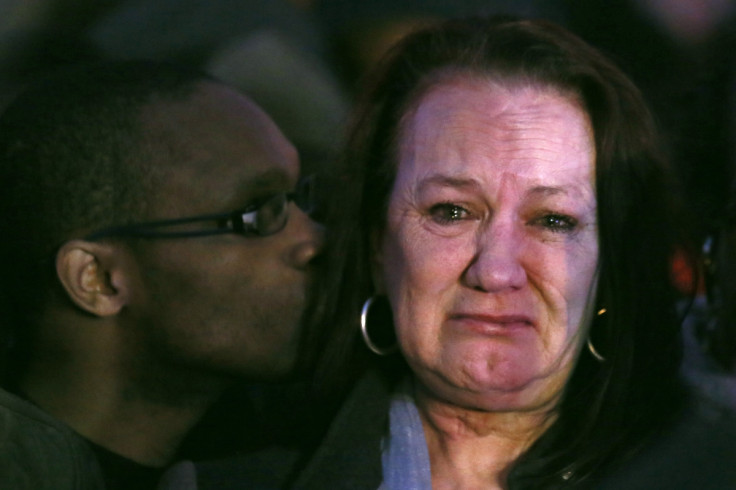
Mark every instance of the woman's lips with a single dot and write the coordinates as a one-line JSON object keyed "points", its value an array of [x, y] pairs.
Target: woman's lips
{"points": [[504, 324]]}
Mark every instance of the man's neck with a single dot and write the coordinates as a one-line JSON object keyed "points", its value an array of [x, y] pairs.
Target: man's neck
{"points": [[114, 413]]}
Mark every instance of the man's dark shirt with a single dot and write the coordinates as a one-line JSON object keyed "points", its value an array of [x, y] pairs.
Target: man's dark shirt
{"points": [[122, 473]]}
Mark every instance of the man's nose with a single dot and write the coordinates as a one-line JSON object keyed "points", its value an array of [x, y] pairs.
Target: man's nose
{"points": [[495, 263], [309, 238]]}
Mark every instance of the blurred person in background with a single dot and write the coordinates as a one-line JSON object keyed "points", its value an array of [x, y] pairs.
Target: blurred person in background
{"points": [[710, 363], [273, 50]]}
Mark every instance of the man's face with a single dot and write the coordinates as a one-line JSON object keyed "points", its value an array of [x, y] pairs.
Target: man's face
{"points": [[221, 304]]}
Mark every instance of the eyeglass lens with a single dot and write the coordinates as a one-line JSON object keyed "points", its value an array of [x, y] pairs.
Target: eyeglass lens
{"points": [[271, 216]]}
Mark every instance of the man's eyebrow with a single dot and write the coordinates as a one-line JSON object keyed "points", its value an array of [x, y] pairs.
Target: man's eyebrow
{"points": [[258, 185], [270, 180]]}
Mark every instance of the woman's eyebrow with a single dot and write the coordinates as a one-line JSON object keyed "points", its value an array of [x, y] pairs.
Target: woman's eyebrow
{"points": [[546, 190], [443, 180], [552, 190]]}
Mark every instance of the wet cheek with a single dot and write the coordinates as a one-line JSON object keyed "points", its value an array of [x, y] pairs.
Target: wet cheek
{"points": [[562, 282], [415, 260], [578, 290], [419, 279]]}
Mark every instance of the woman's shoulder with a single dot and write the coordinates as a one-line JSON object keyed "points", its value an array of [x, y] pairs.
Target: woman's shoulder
{"points": [[348, 457]]}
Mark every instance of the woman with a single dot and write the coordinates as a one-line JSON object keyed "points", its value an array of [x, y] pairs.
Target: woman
{"points": [[505, 194], [498, 278]]}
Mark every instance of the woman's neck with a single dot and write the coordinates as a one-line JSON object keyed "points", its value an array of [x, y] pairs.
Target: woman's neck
{"points": [[472, 448]]}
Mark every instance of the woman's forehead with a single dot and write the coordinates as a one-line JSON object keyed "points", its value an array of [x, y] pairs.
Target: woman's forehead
{"points": [[537, 133]]}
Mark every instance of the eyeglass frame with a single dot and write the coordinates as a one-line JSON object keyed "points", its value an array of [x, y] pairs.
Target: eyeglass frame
{"points": [[229, 222]]}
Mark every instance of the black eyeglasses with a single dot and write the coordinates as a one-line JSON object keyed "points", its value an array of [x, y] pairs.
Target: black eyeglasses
{"points": [[264, 217]]}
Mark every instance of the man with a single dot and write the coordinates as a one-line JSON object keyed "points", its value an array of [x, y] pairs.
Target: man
{"points": [[151, 253]]}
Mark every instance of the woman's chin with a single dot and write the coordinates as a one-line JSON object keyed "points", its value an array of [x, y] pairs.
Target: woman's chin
{"points": [[507, 386]]}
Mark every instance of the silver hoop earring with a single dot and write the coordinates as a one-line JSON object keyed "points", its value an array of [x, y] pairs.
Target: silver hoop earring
{"points": [[381, 351], [592, 350]]}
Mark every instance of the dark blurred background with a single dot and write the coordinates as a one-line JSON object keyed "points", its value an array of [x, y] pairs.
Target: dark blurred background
{"points": [[302, 59]]}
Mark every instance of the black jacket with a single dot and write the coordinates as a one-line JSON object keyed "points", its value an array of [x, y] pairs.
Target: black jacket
{"points": [[696, 452]]}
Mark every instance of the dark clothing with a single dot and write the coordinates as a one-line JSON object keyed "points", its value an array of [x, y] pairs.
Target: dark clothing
{"points": [[95, 467], [695, 452], [121, 473], [348, 458], [39, 452]]}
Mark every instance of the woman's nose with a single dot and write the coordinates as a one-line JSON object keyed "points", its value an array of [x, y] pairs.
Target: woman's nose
{"points": [[495, 265]]}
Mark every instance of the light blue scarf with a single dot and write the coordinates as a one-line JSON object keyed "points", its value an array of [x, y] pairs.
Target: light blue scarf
{"points": [[405, 457]]}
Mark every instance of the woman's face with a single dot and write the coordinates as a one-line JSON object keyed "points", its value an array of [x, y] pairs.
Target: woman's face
{"points": [[490, 250]]}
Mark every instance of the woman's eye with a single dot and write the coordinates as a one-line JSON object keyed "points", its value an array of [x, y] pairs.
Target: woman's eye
{"points": [[447, 213], [557, 223]]}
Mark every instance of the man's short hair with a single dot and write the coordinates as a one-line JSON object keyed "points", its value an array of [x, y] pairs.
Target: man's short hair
{"points": [[74, 156]]}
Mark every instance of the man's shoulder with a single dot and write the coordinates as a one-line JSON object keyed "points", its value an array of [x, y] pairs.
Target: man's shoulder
{"points": [[40, 452]]}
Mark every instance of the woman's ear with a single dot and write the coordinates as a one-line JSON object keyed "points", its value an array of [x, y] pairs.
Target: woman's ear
{"points": [[377, 264], [86, 271]]}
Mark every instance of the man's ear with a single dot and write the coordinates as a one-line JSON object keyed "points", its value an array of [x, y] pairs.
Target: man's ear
{"points": [[88, 274]]}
